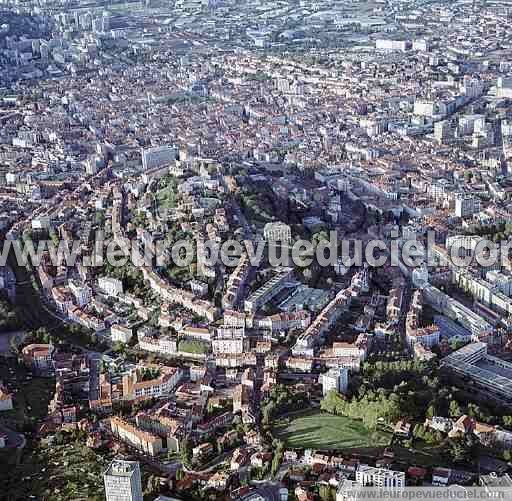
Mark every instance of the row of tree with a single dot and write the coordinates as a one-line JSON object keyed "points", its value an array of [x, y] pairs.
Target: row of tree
{"points": [[372, 409], [280, 401], [9, 319]]}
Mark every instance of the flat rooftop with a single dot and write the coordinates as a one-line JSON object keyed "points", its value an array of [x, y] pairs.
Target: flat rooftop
{"points": [[490, 373]]}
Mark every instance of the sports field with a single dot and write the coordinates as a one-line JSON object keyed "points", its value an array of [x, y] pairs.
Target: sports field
{"points": [[322, 431]]}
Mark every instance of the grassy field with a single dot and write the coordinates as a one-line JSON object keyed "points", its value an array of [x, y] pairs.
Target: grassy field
{"points": [[166, 198], [422, 455], [69, 472], [31, 395], [322, 431]]}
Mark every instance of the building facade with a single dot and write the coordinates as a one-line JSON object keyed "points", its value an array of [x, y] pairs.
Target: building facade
{"points": [[123, 481]]}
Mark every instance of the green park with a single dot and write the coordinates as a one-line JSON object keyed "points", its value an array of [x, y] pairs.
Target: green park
{"points": [[322, 431]]}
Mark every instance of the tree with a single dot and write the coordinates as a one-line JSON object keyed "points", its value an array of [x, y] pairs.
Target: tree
{"points": [[431, 411], [278, 456], [326, 493], [267, 411], [119, 348], [152, 486], [463, 450], [180, 474], [186, 451], [455, 411]]}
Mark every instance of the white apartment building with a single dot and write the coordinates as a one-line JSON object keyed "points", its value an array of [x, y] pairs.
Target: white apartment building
{"points": [[167, 345], [120, 333], [379, 477], [431, 109], [158, 157], [344, 349], [466, 205], [440, 189], [134, 386], [427, 336], [110, 286], [400, 45], [443, 131], [504, 88], [421, 45], [230, 341], [277, 232], [439, 423], [198, 288], [123, 481], [456, 311], [335, 379], [82, 293], [267, 291], [141, 440], [466, 243], [154, 343], [501, 281]]}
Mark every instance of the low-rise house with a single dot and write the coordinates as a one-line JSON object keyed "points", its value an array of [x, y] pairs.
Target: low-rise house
{"points": [[296, 474], [253, 438], [221, 421], [403, 428], [462, 426], [303, 495], [241, 398], [38, 356], [218, 480], [321, 459], [290, 456], [447, 476], [228, 439], [239, 459], [439, 423], [261, 459], [485, 433], [94, 440], [5, 399], [417, 474], [202, 450]]}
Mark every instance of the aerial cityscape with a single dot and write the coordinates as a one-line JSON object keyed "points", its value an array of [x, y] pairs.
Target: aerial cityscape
{"points": [[255, 250]]}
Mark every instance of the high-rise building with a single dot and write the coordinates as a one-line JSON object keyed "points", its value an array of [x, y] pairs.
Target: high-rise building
{"points": [[442, 131], [97, 25], [335, 379], [504, 87], [466, 204], [105, 22], [123, 481], [158, 157]]}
